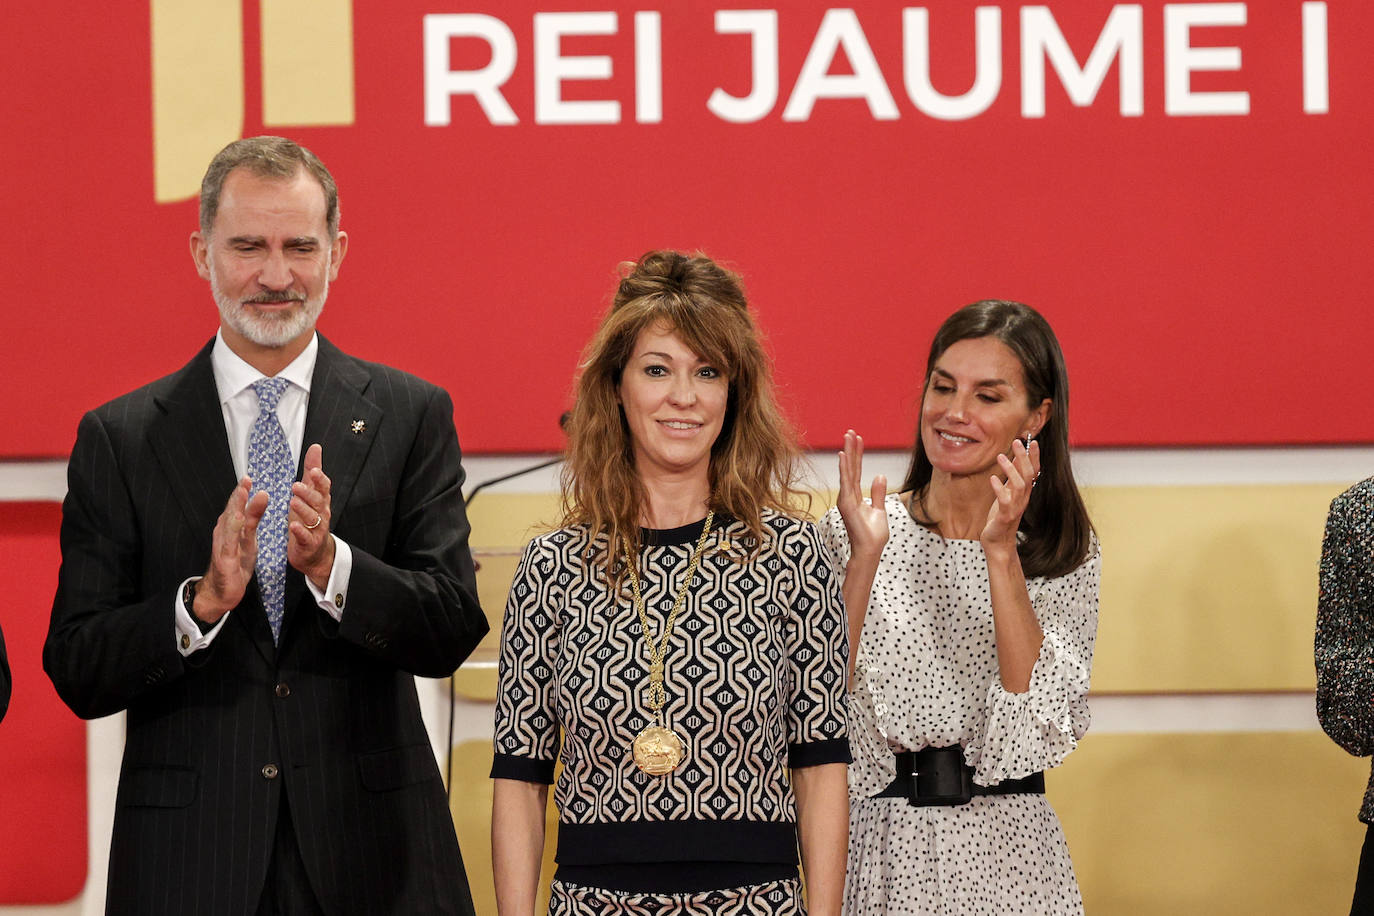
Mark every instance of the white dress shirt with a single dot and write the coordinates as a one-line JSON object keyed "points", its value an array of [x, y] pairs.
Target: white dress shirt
{"points": [[234, 380]]}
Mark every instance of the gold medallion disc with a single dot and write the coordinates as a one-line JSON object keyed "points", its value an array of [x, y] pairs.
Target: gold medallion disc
{"points": [[658, 751]]}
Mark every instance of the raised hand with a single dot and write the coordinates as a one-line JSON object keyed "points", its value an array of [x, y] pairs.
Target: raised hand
{"points": [[1011, 495], [865, 522], [309, 547], [233, 553]]}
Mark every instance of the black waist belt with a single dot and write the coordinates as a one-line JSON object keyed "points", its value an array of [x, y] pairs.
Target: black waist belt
{"points": [[939, 776]]}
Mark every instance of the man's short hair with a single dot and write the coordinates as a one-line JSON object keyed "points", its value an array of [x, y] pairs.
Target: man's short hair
{"points": [[265, 157]]}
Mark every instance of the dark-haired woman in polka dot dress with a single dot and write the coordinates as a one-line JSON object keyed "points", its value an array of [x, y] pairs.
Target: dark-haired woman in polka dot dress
{"points": [[972, 600]]}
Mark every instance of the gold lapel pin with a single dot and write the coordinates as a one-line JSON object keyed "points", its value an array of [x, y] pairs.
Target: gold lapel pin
{"points": [[358, 426]]}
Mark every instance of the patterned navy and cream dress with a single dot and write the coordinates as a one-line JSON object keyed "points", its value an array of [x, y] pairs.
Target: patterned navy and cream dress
{"points": [[926, 676], [755, 673]]}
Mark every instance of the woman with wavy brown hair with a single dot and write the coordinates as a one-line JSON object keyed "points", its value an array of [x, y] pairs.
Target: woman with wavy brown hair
{"points": [[679, 640]]}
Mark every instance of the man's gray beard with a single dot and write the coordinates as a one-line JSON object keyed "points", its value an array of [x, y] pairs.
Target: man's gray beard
{"points": [[268, 330]]}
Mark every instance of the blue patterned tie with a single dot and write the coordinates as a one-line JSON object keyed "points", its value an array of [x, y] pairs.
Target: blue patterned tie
{"points": [[270, 468]]}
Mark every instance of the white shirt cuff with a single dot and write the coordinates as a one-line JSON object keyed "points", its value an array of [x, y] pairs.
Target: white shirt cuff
{"points": [[335, 593], [188, 635]]}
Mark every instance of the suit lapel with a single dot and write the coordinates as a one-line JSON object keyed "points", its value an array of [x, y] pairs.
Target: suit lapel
{"points": [[190, 444], [344, 421]]}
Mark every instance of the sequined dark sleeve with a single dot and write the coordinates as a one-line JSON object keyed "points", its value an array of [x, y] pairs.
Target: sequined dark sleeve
{"points": [[1345, 622]]}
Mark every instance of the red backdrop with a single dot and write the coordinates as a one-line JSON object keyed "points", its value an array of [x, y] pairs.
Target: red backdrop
{"points": [[1206, 273], [42, 745]]}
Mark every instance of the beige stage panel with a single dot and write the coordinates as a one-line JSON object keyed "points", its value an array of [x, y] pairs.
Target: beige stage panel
{"points": [[472, 819], [1158, 825], [501, 526], [509, 520], [1215, 824], [1203, 588], [1208, 588]]}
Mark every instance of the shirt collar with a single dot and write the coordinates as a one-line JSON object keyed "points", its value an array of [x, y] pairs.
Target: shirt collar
{"points": [[233, 374]]}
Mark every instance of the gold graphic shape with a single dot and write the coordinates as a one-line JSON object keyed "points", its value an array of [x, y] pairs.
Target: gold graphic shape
{"points": [[197, 90], [198, 78], [307, 62], [357, 426]]}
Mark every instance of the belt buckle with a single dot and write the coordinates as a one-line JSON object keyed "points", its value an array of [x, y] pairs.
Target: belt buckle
{"points": [[951, 791]]}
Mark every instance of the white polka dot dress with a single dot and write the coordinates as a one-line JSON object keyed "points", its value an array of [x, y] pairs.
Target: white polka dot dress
{"points": [[926, 676]]}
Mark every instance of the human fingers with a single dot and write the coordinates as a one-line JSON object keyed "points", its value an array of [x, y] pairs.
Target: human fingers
{"points": [[252, 513], [256, 505], [878, 493], [313, 487], [224, 538], [320, 482], [1014, 477], [854, 443], [1002, 495], [308, 509], [305, 538], [1021, 457], [847, 454], [237, 498], [314, 459], [849, 482]]}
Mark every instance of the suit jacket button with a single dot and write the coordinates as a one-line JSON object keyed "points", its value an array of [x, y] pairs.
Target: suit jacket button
{"points": [[283, 690], [270, 771]]}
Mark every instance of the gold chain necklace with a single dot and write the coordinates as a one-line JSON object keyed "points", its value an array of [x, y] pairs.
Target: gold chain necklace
{"points": [[658, 750]]}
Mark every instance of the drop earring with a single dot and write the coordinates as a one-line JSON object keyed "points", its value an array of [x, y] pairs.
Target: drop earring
{"points": [[1030, 437]]}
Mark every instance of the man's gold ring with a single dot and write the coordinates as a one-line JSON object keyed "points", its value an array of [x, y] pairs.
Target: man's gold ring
{"points": [[318, 519]]}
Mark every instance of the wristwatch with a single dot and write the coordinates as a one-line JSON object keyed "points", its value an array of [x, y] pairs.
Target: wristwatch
{"points": [[188, 598]]}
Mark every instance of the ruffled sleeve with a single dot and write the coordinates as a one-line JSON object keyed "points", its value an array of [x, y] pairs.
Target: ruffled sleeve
{"points": [[873, 764], [1036, 730]]}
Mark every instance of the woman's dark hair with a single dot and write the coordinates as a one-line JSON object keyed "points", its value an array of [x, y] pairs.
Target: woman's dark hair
{"points": [[1056, 532]]}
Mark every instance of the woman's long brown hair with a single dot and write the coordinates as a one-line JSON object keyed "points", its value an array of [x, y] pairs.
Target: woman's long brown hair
{"points": [[755, 461]]}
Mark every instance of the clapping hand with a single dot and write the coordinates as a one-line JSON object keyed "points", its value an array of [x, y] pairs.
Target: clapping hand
{"points": [[233, 553], [864, 520], [309, 547], [1011, 495]]}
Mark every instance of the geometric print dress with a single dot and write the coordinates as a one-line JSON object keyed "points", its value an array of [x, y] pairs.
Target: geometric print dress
{"points": [[926, 676], [755, 685]]}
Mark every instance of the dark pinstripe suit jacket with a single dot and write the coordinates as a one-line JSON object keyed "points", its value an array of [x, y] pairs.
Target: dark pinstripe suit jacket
{"points": [[4, 679], [330, 716]]}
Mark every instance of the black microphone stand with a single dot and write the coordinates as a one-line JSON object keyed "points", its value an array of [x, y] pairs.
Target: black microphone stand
{"points": [[453, 678]]}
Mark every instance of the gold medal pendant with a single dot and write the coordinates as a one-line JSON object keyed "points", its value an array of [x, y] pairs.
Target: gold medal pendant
{"points": [[658, 751]]}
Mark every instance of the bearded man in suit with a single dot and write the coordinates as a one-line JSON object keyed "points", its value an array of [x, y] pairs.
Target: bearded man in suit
{"points": [[264, 648]]}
